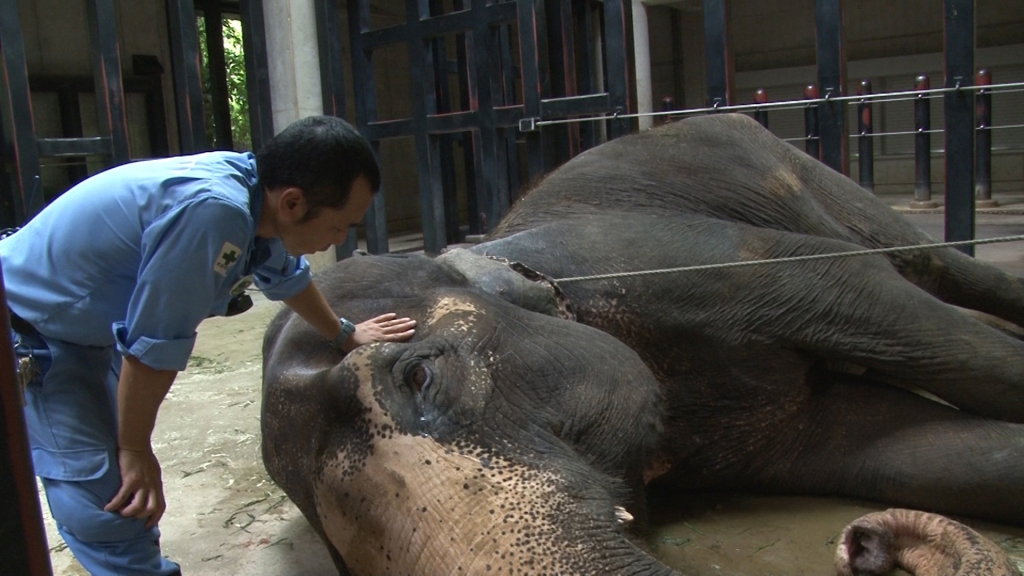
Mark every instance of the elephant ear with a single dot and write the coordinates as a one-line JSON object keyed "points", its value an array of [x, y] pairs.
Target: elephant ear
{"points": [[511, 281]]}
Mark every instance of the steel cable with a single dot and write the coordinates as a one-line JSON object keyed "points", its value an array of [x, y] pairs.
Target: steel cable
{"points": [[832, 255]]}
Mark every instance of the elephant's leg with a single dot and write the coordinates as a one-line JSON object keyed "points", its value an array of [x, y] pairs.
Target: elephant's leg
{"points": [[861, 311], [859, 217], [964, 281], [857, 310], [880, 443]]}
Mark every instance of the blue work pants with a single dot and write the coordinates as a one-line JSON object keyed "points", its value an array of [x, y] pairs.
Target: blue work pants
{"points": [[71, 415]]}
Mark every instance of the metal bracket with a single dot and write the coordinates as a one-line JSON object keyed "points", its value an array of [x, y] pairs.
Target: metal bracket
{"points": [[528, 124]]}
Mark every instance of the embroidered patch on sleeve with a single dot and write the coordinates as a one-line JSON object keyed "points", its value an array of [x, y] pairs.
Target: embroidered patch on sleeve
{"points": [[229, 254]]}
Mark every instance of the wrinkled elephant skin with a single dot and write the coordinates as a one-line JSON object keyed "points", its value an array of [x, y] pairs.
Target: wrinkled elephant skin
{"points": [[516, 432]]}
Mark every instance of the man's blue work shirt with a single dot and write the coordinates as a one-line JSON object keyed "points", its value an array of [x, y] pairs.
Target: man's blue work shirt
{"points": [[139, 255]]}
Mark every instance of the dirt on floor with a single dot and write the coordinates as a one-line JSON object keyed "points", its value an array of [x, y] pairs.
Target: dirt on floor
{"points": [[226, 517]]}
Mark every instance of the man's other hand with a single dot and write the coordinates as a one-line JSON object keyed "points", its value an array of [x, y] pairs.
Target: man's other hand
{"points": [[142, 490]]}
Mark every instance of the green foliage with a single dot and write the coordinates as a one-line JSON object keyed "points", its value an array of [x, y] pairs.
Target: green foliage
{"points": [[238, 98], [234, 61]]}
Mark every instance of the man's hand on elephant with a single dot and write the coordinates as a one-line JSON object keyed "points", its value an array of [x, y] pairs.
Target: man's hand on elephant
{"points": [[142, 491], [384, 328]]}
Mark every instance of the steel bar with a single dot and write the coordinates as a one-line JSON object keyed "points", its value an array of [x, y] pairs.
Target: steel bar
{"points": [[443, 99], [25, 193], [866, 149], [332, 66], [474, 150], [71, 127], [186, 68], [760, 114], [496, 95], [903, 96], [214, 19], [906, 133], [427, 146], [364, 81], [509, 153], [106, 69], [678, 59], [8, 186], [512, 116], [376, 218], [922, 149], [831, 82], [561, 68], [813, 143], [332, 83], [1004, 127], [388, 129], [586, 67], [533, 89], [508, 116], [72, 147], [576, 105], [617, 47], [469, 157], [983, 142], [959, 111], [489, 198], [437, 26], [717, 53], [257, 72]]}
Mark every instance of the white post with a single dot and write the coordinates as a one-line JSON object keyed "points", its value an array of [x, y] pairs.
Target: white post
{"points": [[294, 68], [642, 55], [293, 60]]}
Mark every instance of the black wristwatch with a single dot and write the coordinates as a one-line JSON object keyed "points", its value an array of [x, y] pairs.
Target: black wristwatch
{"points": [[347, 330]]}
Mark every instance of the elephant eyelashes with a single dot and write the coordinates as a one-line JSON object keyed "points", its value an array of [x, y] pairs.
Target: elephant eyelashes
{"points": [[419, 376]]}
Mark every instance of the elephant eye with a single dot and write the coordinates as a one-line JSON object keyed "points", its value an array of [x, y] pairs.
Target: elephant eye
{"points": [[419, 376]]}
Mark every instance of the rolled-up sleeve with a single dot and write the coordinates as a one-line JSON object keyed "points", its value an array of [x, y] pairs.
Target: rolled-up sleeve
{"points": [[282, 275], [185, 257]]}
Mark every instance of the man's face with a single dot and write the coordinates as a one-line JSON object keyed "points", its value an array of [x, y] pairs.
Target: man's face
{"points": [[329, 226]]}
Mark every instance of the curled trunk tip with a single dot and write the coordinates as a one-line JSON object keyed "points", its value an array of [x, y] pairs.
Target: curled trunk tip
{"points": [[920, 543]]}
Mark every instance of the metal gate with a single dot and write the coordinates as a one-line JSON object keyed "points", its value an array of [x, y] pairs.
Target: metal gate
{"points": [[501, 102], [21, 194]]}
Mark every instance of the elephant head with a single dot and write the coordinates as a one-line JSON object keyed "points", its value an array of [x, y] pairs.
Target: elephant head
{"points": [[499, 439]]}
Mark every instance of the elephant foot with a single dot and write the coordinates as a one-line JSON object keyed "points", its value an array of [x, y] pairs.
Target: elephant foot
{"points": [[920, 543]]}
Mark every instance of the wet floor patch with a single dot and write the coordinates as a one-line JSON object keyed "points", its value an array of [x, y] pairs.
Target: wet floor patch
{"points": [[742, 535]]}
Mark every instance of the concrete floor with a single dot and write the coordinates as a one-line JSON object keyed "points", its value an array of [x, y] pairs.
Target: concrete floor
{"points": [[225, 516]]}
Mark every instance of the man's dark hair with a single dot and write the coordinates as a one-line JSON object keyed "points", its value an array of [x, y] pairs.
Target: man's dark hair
{"points": [[322, 155]]}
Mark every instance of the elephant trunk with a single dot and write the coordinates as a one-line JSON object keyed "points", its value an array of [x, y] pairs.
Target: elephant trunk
{"points": [[420, 507], [920, 543]]}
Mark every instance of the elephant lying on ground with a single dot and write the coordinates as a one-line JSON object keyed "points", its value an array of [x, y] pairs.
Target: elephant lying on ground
{"points": [[517, 431]]}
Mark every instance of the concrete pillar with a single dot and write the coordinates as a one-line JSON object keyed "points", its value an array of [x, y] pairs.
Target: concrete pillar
{"points": [[642, 55], [293, 60], [294, 68]]}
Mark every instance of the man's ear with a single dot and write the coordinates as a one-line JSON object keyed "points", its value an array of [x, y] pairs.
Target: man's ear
{"points": [[292, 204]]}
